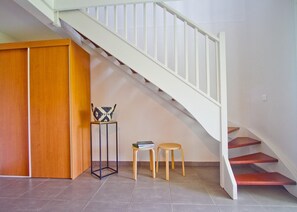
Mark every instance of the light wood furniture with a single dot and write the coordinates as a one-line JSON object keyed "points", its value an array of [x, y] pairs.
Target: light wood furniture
{"points": [[152, 160], [49, 113], [170, 147], [14, 157]]}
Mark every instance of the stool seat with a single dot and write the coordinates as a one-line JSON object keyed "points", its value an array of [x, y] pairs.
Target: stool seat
{"points": [[170, 147], [152, 160]]}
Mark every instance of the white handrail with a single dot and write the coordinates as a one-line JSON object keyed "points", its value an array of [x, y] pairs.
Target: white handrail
{"points": [[190, 23]]}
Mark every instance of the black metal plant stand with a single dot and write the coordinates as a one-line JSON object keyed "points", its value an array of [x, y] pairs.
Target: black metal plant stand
{"points": [[107, 167]]}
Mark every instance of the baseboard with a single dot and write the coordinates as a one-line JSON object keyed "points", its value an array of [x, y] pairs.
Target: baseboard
{"points": [[162, 163]]}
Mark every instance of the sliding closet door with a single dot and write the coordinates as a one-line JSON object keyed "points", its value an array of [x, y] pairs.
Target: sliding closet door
{"points": [[14, 159], [49, 104]]}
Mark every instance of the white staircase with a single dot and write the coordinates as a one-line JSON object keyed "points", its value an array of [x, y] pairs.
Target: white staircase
{"points": [[162, 46]]}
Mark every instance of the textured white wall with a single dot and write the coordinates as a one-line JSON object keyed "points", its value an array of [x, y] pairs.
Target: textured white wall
{"points": [[144, 116], [4, 38], [261, 62]]}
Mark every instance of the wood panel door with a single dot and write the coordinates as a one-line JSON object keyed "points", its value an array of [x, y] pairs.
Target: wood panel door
{"points": [[49, 105], [80, 109], [14, 158]]}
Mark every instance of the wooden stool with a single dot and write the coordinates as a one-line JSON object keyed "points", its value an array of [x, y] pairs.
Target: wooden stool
{"points": [[152, 160], [172, 147]]}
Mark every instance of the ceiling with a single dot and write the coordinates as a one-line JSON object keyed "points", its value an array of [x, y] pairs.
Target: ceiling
{"points": [[20, 25]]}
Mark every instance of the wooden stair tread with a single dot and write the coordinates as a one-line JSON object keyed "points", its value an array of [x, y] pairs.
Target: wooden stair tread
{"points": [[242, 141], [253, 158], [232, 129], [268, 178]]}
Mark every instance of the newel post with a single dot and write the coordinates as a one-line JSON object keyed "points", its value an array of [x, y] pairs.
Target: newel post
{"points": [[223, 98]]}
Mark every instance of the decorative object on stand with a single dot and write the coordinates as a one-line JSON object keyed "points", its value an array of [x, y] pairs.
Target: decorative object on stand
{"points": [[144, 144], [103, 114]]}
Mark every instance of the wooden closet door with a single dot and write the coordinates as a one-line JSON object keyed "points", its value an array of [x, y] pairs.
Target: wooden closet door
{"points": [[13, 113], [49, 104]]}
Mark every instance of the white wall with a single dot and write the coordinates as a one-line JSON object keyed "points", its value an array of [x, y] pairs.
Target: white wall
{"points": [[271, 71], [261, 60], [4, 38], [144, 116]]}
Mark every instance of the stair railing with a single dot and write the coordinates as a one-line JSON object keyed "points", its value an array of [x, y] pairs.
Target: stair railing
{"points": [[169, 38], [192, 54]]}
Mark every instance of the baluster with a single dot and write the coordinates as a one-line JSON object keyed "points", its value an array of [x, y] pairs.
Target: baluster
{"points": [[97, 13], [207, 65], [197, 57], [217, 70], [186, 51], [88, 10], [155, 32], [115, 10], [106, 15], [165, 37], [125, 22], [135, 24], [145, 27], [175, 45]]}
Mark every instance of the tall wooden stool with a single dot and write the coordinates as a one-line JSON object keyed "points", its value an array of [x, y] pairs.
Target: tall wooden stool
{"points": [[170, 147], [152, 160]]}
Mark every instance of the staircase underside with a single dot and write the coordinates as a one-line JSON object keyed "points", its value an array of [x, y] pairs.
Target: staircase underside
{"points": [[264, 179], [232, 129], [205, 110]]}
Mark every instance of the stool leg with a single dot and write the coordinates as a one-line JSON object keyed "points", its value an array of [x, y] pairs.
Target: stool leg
{"points": [[135, 164], [157, 168], [167, 164], [152, 153], [172, 159], [183, 162], [151, 162]]}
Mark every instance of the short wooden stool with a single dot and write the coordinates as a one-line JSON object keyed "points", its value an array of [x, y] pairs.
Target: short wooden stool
{"points": [[152, 160], [170, 147]]}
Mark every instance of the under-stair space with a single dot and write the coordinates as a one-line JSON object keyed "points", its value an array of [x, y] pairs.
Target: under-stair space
{"points": [[260, 177], [126, 69]]}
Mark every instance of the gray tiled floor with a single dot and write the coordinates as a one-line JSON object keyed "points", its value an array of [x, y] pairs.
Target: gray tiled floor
{"points": [[199, 190]]}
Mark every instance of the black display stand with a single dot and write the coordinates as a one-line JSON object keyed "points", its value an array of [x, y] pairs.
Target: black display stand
{"points": [[107, 167]]}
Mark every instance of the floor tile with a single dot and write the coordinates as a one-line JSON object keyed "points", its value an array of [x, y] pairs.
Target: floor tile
{"points": [[106, 207], [194, 208], [6, 204], [189, 193], [280, 209], [272, 195], [149, 207], [54, 183], [156, 193], [61, 206], [43, 193], [114, 192], [28, 204], [6, 181], [72, 193], [241, 208], [220, 197]]}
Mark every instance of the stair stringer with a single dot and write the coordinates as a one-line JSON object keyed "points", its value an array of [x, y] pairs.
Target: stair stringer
{"points": [[283, 166], [205, 110]]}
